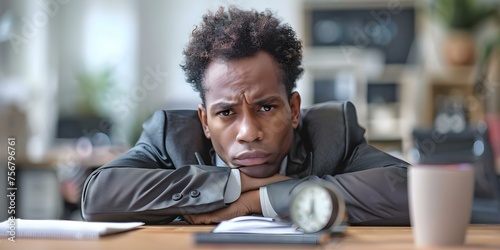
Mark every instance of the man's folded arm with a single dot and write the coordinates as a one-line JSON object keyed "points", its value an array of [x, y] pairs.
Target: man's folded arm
{"points": [[143, 185], [152, 196], [375, 194], [366, 203]]}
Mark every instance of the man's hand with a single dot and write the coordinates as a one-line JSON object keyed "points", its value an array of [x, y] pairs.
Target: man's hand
{"points": [[250, 183], [248, 203]]}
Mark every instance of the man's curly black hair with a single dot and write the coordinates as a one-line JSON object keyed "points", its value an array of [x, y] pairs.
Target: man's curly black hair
{"points": [[237, 33]]}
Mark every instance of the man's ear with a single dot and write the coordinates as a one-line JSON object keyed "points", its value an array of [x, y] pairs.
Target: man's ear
{"points": [[295, 108], [202, 114]]}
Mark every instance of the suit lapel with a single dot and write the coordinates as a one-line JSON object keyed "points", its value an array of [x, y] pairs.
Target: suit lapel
{"points": [[184, 137]]}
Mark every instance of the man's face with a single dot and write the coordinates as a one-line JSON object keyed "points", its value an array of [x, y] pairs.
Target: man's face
{"points": [[248, 115]]}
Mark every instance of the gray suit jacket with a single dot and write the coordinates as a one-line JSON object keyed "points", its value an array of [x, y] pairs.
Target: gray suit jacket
{"points": [[161, 178]]}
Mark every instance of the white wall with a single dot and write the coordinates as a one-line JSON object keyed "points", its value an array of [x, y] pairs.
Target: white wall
{"points": [[163, 30], [137, 37], [181, 18], [30, 68]]}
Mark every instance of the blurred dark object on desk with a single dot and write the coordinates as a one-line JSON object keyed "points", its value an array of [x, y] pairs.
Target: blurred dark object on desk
{"points": [[74, 164], [13, 124], [472, 145], [76, 127], [487, 89], [83, 143]]}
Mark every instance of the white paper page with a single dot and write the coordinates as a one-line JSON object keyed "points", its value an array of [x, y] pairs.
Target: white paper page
{"points": [[64, 228], [256, 225]]}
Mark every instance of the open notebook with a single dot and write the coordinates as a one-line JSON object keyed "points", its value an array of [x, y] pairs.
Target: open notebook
{"points": [[262, 230], [63, 229], [256, 224]]}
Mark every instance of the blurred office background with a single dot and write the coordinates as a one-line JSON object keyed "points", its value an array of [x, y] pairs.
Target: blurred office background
{"points": [[78, 78]]}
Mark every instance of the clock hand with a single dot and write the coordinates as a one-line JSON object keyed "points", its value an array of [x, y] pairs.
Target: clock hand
{"points": [[311, 209]]}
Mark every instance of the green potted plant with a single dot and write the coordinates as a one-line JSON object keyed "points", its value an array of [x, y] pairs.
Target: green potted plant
{"points": [[94, 88], [92, 104], [462, 18]]}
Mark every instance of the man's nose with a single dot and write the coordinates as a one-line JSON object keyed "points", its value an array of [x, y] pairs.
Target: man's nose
{"points": [[250, 129]]}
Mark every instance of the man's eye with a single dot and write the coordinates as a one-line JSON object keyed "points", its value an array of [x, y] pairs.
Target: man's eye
{"points": [[224, 113], [267, 108]]}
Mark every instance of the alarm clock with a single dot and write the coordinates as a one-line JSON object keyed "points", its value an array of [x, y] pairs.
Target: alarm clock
{"points": [[317, 206]]}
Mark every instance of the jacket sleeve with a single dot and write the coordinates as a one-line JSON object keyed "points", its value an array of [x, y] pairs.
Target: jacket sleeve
{"points": [[143, 185], [373, 183], [373, 196], [377, 195]]}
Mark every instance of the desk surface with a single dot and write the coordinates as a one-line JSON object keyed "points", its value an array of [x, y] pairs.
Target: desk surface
{"points": [[181, 237]]}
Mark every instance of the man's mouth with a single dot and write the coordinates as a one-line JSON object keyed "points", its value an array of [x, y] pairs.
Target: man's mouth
{"points": [[251, 158]]}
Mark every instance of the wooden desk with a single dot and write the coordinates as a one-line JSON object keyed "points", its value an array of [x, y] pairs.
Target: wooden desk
{"points": [[181, 237]]}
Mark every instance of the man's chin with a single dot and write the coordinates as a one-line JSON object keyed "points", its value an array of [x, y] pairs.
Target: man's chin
{"points": [[258, 171]]}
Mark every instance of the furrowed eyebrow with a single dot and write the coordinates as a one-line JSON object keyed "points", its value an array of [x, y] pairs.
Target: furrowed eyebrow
{"points": [[229, 105], [222, 105], [267, 101]]}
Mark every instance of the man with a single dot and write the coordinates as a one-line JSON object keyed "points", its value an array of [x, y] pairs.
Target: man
{"points": [[248, 145]]}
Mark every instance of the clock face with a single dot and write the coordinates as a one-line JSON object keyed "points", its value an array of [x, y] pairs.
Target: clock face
{"points": [[312, 208]]}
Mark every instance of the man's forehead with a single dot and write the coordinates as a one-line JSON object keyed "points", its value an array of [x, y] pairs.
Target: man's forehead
{"points": [[245, 78], [259, 63]]}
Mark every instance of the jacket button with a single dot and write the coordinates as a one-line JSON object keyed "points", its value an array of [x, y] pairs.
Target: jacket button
{"points": [[195, 193], [176, 196]]}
